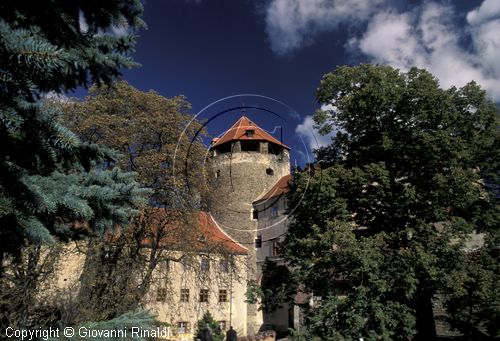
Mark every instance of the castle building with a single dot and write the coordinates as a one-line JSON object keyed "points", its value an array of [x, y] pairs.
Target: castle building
{"points": [[247, 220]]}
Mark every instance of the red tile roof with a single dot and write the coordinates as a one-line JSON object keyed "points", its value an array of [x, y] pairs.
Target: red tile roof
{"points": [[281, 187], [195, 231], [238, 132], [215, 234]]}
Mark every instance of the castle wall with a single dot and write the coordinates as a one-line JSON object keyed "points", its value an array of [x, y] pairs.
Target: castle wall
{"points": [[164, 295]]}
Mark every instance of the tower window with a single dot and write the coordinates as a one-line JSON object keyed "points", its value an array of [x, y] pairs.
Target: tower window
{"points": [[249, 146], [274, 211], [217, 173], [249, 133], [255, 214], [270, 171], [274, 149], [258, 242]]}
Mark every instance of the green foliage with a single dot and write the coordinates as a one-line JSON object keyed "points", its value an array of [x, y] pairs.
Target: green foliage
{"points": [[49, 179], [156, 136], [53, 186], [385, 225], [276, 287], [207, 321], [156, 139]]}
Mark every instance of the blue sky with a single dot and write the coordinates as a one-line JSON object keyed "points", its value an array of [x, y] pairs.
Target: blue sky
{"points": [[208, 50]]}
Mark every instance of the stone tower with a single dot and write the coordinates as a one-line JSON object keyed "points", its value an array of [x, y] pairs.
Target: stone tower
{"points": [[246, 161]]}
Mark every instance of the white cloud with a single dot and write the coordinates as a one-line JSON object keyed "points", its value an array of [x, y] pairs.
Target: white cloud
{"points": [[311, 136], [489, 9], [431, 36], [292, 24], [389, 39], [428, 38]]}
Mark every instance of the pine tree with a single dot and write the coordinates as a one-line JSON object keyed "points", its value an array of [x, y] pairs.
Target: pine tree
{"points": [[207, 323], [49, 179], [53, 186], [386, 226]]}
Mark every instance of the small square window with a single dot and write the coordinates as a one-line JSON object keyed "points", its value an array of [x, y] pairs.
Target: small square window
{"points": [[164, 265], [205, 264], [183, 327], [258, 242], [275, 248], [249, 133], [184, 295], [222, 295], [161, 295], [204, 295], [223, 265]]}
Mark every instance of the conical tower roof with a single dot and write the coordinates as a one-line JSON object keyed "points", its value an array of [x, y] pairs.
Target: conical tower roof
{"points": [[245, 129]]}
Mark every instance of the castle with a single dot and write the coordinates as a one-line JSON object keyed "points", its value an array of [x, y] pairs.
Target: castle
{"points": [[247, 220]]}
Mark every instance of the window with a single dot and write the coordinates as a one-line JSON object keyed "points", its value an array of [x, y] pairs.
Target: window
{"points": [[223, 325], [249, 146], [274, 211], [161, 295], [223, 265], [270, 171], [185, 265], [275, 251], [217, 173], [249, 133], [258, 242], [184, 295], [204, 295], [205, 264], [274, 149], [164, 265], [222, 295], [255, 214], [183, 327]]}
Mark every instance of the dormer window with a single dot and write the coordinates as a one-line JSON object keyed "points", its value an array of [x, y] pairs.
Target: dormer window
{"points": [[249, 133]]}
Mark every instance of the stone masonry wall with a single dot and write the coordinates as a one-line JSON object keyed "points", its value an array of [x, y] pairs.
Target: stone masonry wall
{"points": [[241, 177]]}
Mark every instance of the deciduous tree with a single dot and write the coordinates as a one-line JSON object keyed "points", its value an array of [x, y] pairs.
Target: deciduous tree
{"points": [[386, 224]]}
